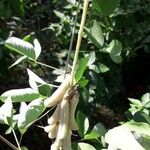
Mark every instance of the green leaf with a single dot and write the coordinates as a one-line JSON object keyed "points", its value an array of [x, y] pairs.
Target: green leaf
{"points": [[103, 68], [45, 89], [97, 131], [82, 66], [92, 58], [85, 146], [145, 142], [28, 114], [37, 48], [114, 49], [23, 47], [122, 138], [136, 102], [34, 80], [20, 46], [18, 61], [95, 34], [116, 59], [86, 125], [6, 112], [104, 7], [139, 127], [145, 98], [59, 15], [20, 95], [141, 117], [83, 123], [83, 82]]}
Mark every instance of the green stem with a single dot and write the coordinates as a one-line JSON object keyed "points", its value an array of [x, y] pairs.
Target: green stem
{"points": [[40, 63], [85, 7], [19, 148]]}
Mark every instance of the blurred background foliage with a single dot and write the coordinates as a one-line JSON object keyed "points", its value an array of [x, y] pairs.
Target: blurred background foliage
{"points": [[112, 76]]}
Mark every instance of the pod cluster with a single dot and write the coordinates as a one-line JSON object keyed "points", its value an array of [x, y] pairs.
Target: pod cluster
{"points": [[62, 122]]}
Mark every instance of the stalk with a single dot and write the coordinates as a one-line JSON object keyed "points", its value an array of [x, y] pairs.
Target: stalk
{"points": [[85, 7]]}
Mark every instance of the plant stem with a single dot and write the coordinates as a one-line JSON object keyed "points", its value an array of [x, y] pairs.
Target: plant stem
{"points": [[72, 38], [19, 148], [40, 63], [8, 143], [85, 7]]}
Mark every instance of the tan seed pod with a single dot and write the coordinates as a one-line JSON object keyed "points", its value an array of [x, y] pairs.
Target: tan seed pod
{"points": [[66, 142], [56, 145], [53, 133], [56, 116], [73, 104], [58, 94], [64, 116], [49, 128]]}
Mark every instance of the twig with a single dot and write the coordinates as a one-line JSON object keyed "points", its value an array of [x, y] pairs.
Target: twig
{"points": [[72, 38], [8, 143], [48, 66], [85, 7], [19, 148]]}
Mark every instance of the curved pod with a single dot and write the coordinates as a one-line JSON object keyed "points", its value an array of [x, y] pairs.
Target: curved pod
{"points": [[58, 94]]}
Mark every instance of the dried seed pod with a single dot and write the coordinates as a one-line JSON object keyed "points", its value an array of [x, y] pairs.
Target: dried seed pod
{"points": [[50, 128], [56, 116], [53, 133], [66, 142], [58, 94], [56, 145], [73, 104], [64, 116]]}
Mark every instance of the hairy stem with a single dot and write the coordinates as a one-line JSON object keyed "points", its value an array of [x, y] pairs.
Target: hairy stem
{"points": [[85, 7]]}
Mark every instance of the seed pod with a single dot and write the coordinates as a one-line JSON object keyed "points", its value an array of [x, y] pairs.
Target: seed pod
{"points": [[50, 128], [58, 94], [64, 116], [52, 134], [56, 145], [66, 142], [55, 117], [73, 104]]}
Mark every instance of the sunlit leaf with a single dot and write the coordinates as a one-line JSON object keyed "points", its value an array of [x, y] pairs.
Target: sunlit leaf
{"points": [[83, 123], [103, 68], [37, 48], [82, 66], [59, 15], [85, 146], [114, 49], [20, 46], [18, 61], [34, 80], [25, 48], [28, 114], [95, 34], [98, 131], [122, 138], [146, 98], [6, 112], [20, 95]]}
